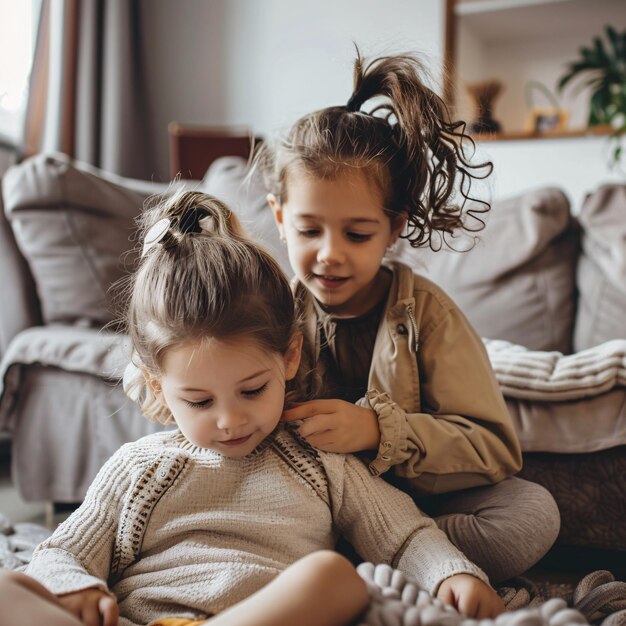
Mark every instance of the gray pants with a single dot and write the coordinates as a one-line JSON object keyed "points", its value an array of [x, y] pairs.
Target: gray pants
{"points": [[504, 528]]}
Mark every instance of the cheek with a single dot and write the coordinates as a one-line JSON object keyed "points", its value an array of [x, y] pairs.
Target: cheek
{"points": [[299, 254], [274, 409]]}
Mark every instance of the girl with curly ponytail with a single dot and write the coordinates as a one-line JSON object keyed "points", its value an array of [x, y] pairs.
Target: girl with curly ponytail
{"points": [[405, 379]]}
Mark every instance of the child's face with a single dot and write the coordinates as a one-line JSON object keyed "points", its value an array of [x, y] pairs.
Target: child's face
{"points": [[227, 396], [337, 233]]}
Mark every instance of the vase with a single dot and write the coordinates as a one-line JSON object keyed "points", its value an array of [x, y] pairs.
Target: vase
{"points": [[484, 95]]}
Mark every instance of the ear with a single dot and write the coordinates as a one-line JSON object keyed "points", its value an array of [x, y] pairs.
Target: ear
{"points": [[277, 210], [398, 222], [293, 355], [155, 386]]}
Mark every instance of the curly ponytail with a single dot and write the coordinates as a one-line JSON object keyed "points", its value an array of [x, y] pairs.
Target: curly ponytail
{"points": [[407, 143]]}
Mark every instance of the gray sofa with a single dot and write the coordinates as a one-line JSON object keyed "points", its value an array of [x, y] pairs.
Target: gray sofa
{"points": [[539, 277]]}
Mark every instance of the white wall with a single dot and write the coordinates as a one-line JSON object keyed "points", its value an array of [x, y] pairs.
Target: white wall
{"points": [[471, 69], [576, 165], [263, 63]]}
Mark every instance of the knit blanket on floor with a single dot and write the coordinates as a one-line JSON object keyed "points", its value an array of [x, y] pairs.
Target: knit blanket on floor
{"points": [[598, 599], [552, 376], [397, 601]]}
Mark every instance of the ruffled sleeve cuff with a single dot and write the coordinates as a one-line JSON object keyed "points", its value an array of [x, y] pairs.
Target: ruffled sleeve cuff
{"points": [[392, 448]]}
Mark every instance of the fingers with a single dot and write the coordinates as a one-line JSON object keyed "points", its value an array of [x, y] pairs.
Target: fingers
{"points": [[324, 441], [481, 605], [469, 605], [92, 606], [315, 426], [445, 594], [70, 605], [486, 605], [89, 614], [494, 608], [109, 610], [306, 410]]}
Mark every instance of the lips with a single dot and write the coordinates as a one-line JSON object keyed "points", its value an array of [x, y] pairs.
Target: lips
{"points": [[330, 282], [235, 442]]}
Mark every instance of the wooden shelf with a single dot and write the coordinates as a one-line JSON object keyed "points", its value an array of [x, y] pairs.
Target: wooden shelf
{"points": [[463, 7], [500, 21], [559, 134]]}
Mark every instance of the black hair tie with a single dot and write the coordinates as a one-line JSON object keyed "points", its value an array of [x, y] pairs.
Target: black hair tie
{"points": [[190, 220], [354, 104]]}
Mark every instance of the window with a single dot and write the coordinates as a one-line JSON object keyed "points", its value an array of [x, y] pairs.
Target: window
{"points": [[18, 31]]}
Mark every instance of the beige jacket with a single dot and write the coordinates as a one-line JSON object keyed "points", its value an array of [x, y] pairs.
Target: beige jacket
{"points": [[443, 421]]}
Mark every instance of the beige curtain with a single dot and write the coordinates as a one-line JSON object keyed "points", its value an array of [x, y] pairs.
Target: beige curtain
{"points": [[86, 94]]}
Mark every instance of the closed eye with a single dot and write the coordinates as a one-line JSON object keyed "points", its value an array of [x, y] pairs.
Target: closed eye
{"points": [[251, 393], [308, 232], [359, 237], [198, 405]]}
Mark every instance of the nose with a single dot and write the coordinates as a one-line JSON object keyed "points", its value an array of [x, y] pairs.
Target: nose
{"points": [[330, 251], [231, 419]]}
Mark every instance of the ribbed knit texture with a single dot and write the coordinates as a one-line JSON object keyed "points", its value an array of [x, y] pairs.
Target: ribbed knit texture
{"points": [[176, 530]]}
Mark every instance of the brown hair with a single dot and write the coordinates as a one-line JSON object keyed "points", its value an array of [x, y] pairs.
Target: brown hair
{"points": [[203, 279], [407, 143]]}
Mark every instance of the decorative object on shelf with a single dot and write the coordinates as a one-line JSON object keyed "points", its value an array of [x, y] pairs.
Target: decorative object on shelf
{"points": [[605, 71], [484, 95], [545, 119]]}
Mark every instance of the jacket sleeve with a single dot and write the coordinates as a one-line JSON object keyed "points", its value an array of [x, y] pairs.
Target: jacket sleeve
{"points": [[389, 528], [78, 554], [463, 435]]}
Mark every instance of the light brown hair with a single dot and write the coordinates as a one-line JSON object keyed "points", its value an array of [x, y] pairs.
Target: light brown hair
{"points": [[406, 143], [203, 279]]}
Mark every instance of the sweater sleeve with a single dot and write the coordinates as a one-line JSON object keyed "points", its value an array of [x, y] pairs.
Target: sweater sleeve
{"points": [[463, 437], [384, 525], [78, 554]]}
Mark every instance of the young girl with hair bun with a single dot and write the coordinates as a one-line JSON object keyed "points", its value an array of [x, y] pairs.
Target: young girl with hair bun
{"points": [[231, 518], [405, 380]]}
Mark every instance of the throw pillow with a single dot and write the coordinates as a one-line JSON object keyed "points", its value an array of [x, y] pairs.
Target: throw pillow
{"points": [[227, 180], [517, 282], [73, 224], [601, 272]]}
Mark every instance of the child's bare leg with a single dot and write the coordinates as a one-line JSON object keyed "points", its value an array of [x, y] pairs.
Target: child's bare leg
{"points": [[321, 589], [30, 602]]}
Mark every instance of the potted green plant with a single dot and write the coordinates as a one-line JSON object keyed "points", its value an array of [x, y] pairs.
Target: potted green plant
{"points": [[604, 68]]}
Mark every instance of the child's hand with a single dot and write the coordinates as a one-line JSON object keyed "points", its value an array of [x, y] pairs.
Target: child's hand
{"points": [[336, 425], [471, 596], [93, 607]]}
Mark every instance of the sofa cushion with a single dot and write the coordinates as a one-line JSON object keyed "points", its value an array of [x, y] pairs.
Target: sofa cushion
{"points": [[73, 224], [517, 282], [227, 180], [20, 308], [601, 273]]}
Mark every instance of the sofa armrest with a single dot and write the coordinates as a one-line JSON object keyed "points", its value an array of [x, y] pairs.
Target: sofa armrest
{"points": [[20, 303]]}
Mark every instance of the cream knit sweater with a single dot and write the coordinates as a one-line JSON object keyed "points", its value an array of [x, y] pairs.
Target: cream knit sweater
{"points": [[176, 530]]}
